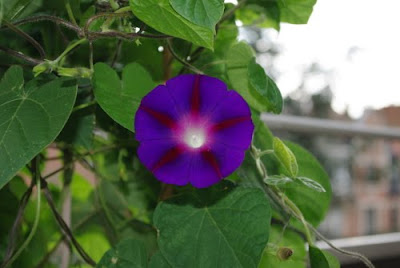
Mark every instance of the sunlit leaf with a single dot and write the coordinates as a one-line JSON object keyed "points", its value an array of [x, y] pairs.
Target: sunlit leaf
{"points": [[313, 204], [284, 239], [277, 180], [120, 99], [296, 11], [264, 88], [160, 15], [322, 259], [201, 12], [311, 184], [286, 157]]}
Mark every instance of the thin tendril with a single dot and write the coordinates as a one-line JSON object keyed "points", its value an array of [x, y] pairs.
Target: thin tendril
{"points": [[36, 220]]}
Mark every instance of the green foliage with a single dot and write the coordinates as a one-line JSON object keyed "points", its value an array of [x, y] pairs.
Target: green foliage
{"points": [[117, 52], [284, 239], [158, 261], [32, 116], [269, 13], [286, 157], [222, 224], [250, 80], [120, 99], [127, 254], [263, 88], [312, 184], [263, 13], [313, 204], [322, 259], [238, 58], [203, 12], [160, 15], [296, 11]]}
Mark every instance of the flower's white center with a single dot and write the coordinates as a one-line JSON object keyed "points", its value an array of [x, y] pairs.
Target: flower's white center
{"points": [[194, 138]]}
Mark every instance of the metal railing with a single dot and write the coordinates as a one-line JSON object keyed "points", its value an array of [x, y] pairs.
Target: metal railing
{"points": [[331, 127]]}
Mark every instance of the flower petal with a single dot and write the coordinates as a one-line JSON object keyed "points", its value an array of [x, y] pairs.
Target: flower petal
{"points": [[203, 171], [232, 122], [229, 159], [169, 164], [183, 89], [156, 115]]}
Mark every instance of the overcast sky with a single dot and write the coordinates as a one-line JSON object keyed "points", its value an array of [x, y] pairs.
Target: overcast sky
{"points": [[371, 76]]}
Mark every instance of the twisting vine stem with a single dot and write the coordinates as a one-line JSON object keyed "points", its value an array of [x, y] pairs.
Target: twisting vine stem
{"points": [[287, 205], [36, 178], [28, 38], [183, 62], [64, 227], [357, 255], [290, 206]]}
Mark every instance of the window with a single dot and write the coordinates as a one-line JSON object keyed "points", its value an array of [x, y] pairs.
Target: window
{"points": [[370, 221], [394, 219]]}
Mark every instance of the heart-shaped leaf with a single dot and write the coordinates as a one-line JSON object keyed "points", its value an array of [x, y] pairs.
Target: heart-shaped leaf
{"points": [[201, 12], [127, 254], [120, 99], [220, 225], [160, 15], [31, 117]]}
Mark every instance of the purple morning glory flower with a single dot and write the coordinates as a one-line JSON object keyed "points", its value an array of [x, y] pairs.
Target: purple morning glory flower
{"points": [[193, 130]]}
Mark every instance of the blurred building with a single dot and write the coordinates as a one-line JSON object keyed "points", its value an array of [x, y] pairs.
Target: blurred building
{"points": [[367, 187]]}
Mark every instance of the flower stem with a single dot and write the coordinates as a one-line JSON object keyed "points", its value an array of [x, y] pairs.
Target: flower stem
{"points": [[290, 206], [84, 105], [69, 48], [298, 213], [183, 62]]}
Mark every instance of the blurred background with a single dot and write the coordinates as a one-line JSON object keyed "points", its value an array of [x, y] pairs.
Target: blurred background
{"points": [[343, 66]]}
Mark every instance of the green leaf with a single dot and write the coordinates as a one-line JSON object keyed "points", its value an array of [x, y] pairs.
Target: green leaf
{"points": [[322, 259], [94, 240], [284, 239], [263, 138], [286, 157], [263, 13], [201, 12], [160, 15], [296, 11], [213, 63], [31, 118], [127, 254], [312, 184], [120, 99], [146, 54], [79, 129], [208, 227], [158, 261], [238, 58], [16, 8], [277, 180], [1, 11], [312, 204], [264, 88]]}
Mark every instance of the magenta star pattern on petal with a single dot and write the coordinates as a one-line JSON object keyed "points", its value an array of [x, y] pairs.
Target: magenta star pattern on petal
{"points": [[193, 130]]}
